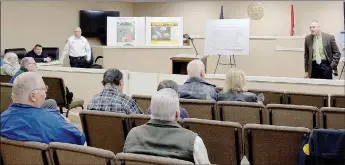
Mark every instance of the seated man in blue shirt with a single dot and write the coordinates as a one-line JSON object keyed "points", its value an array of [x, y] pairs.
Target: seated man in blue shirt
{"points": [[38, 55], [25, 120]]}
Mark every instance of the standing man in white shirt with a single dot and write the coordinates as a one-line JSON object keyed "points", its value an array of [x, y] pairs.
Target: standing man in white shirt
{"points": [[78, 49]]}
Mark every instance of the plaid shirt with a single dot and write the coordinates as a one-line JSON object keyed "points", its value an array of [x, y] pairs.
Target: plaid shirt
{"points": [[197, 88], [111, 100]]}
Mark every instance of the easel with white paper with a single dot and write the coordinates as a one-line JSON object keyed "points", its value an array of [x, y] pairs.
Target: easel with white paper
{"points": [[227, 37]]}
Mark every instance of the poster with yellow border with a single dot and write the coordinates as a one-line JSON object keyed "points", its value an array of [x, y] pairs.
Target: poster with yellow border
{"points": [[164, 31]]}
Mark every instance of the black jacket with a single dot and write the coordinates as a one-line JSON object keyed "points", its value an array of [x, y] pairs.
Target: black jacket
{"points": [[38, 58]]}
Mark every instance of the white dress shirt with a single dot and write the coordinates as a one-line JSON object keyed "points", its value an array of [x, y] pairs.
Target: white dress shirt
{"points": [[200, 152], [76, 47]]}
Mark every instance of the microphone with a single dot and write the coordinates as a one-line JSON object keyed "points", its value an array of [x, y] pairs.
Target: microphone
{"points": [[186, 36]]}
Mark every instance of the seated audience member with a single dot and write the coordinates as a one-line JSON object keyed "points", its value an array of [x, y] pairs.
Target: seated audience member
{"points": [[111, 98], [10, 64], [38, 55], [25, 120], [196, 86], [163, 136], [27, 64], [173, 85], [234, 87]]}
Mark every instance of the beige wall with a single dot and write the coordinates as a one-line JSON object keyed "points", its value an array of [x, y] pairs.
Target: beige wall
{"points": [[50, 23], [276, 20], [23, 23], [264, 59]]}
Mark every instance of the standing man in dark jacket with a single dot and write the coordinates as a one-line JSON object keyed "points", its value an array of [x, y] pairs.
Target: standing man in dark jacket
{"points": [[321, 54], [38, 55]]}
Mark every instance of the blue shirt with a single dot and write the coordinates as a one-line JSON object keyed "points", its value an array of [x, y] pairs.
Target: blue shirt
{"points": [[20, 71], [27, 123], [1, 61]]}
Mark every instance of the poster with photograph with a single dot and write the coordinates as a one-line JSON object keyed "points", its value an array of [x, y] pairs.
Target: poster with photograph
{"points": [[125, 31], [164, 31]]}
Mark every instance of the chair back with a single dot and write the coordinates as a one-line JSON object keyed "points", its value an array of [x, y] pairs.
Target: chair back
{"points": [[52, 52], [242, 112], [143, 101], [106, 130], [138, 159], [332, 118], [5, 78], [137, 120], [21, 52], [267, 144], [271, 97], [337, 101], [316, 100], [293, 115], [24, 152], [223, 140], [57, 90], [6, 96], [201, 109], [72, 154]]}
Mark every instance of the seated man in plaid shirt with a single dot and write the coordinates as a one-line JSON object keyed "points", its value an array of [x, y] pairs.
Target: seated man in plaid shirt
{"points": [[111, 98], [196, 86]]}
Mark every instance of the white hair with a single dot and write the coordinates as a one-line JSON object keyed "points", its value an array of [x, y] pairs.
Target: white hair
{"points": [[195, 68], [25, 61], [235, 80], [24, 85], [11, 58], [164, 105]]}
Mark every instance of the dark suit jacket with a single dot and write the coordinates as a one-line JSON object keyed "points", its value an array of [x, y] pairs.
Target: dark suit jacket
{"points": [[330, 47], [37, 57]]}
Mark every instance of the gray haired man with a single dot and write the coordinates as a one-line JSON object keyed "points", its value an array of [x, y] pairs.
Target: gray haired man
{"points": [[111, 97], [163, 136]]}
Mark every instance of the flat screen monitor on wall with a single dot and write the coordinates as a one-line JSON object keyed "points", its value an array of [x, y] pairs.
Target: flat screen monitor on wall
{"points": [[93, 23]]}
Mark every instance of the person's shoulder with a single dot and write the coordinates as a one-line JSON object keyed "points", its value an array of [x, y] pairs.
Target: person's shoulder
{"points": [[83, 38], [308, 36], [326, 35]]}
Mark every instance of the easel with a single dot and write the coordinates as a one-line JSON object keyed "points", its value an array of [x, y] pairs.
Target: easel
{"points": [[231, 63]]}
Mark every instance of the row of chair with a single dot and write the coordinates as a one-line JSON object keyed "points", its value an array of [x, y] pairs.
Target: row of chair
{"points": [[223, 140], [57, 91], [277, 97], [247, 112], [29, 153]]}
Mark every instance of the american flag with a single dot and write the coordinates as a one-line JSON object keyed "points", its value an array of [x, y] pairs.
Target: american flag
{"points": [[221, 15]]}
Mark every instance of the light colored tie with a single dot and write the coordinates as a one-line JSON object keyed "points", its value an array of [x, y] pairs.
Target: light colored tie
{"points": [[317, 51]]}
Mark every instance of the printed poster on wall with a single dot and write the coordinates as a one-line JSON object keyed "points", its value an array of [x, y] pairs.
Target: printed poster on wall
{"points": [[164, 31], [125, 31]]}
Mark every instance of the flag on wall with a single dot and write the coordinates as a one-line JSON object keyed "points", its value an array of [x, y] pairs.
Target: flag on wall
{"points": [[292, 28], [221, 15]]}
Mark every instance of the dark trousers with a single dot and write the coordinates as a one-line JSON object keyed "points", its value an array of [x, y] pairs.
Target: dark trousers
{"points": [[322, 71], [78, 62]]}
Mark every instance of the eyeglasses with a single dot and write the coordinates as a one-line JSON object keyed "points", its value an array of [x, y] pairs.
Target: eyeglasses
{"points": [[45, 89]]}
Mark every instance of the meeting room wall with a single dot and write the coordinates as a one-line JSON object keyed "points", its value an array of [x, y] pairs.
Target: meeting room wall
{"points": [[272, 51], [50, 23]]}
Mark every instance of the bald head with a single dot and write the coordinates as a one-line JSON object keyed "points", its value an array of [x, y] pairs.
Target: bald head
{"points": [[196, 68], [165, 105], [315, 27], [11, 58], [27, 89], [77, 32]]}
